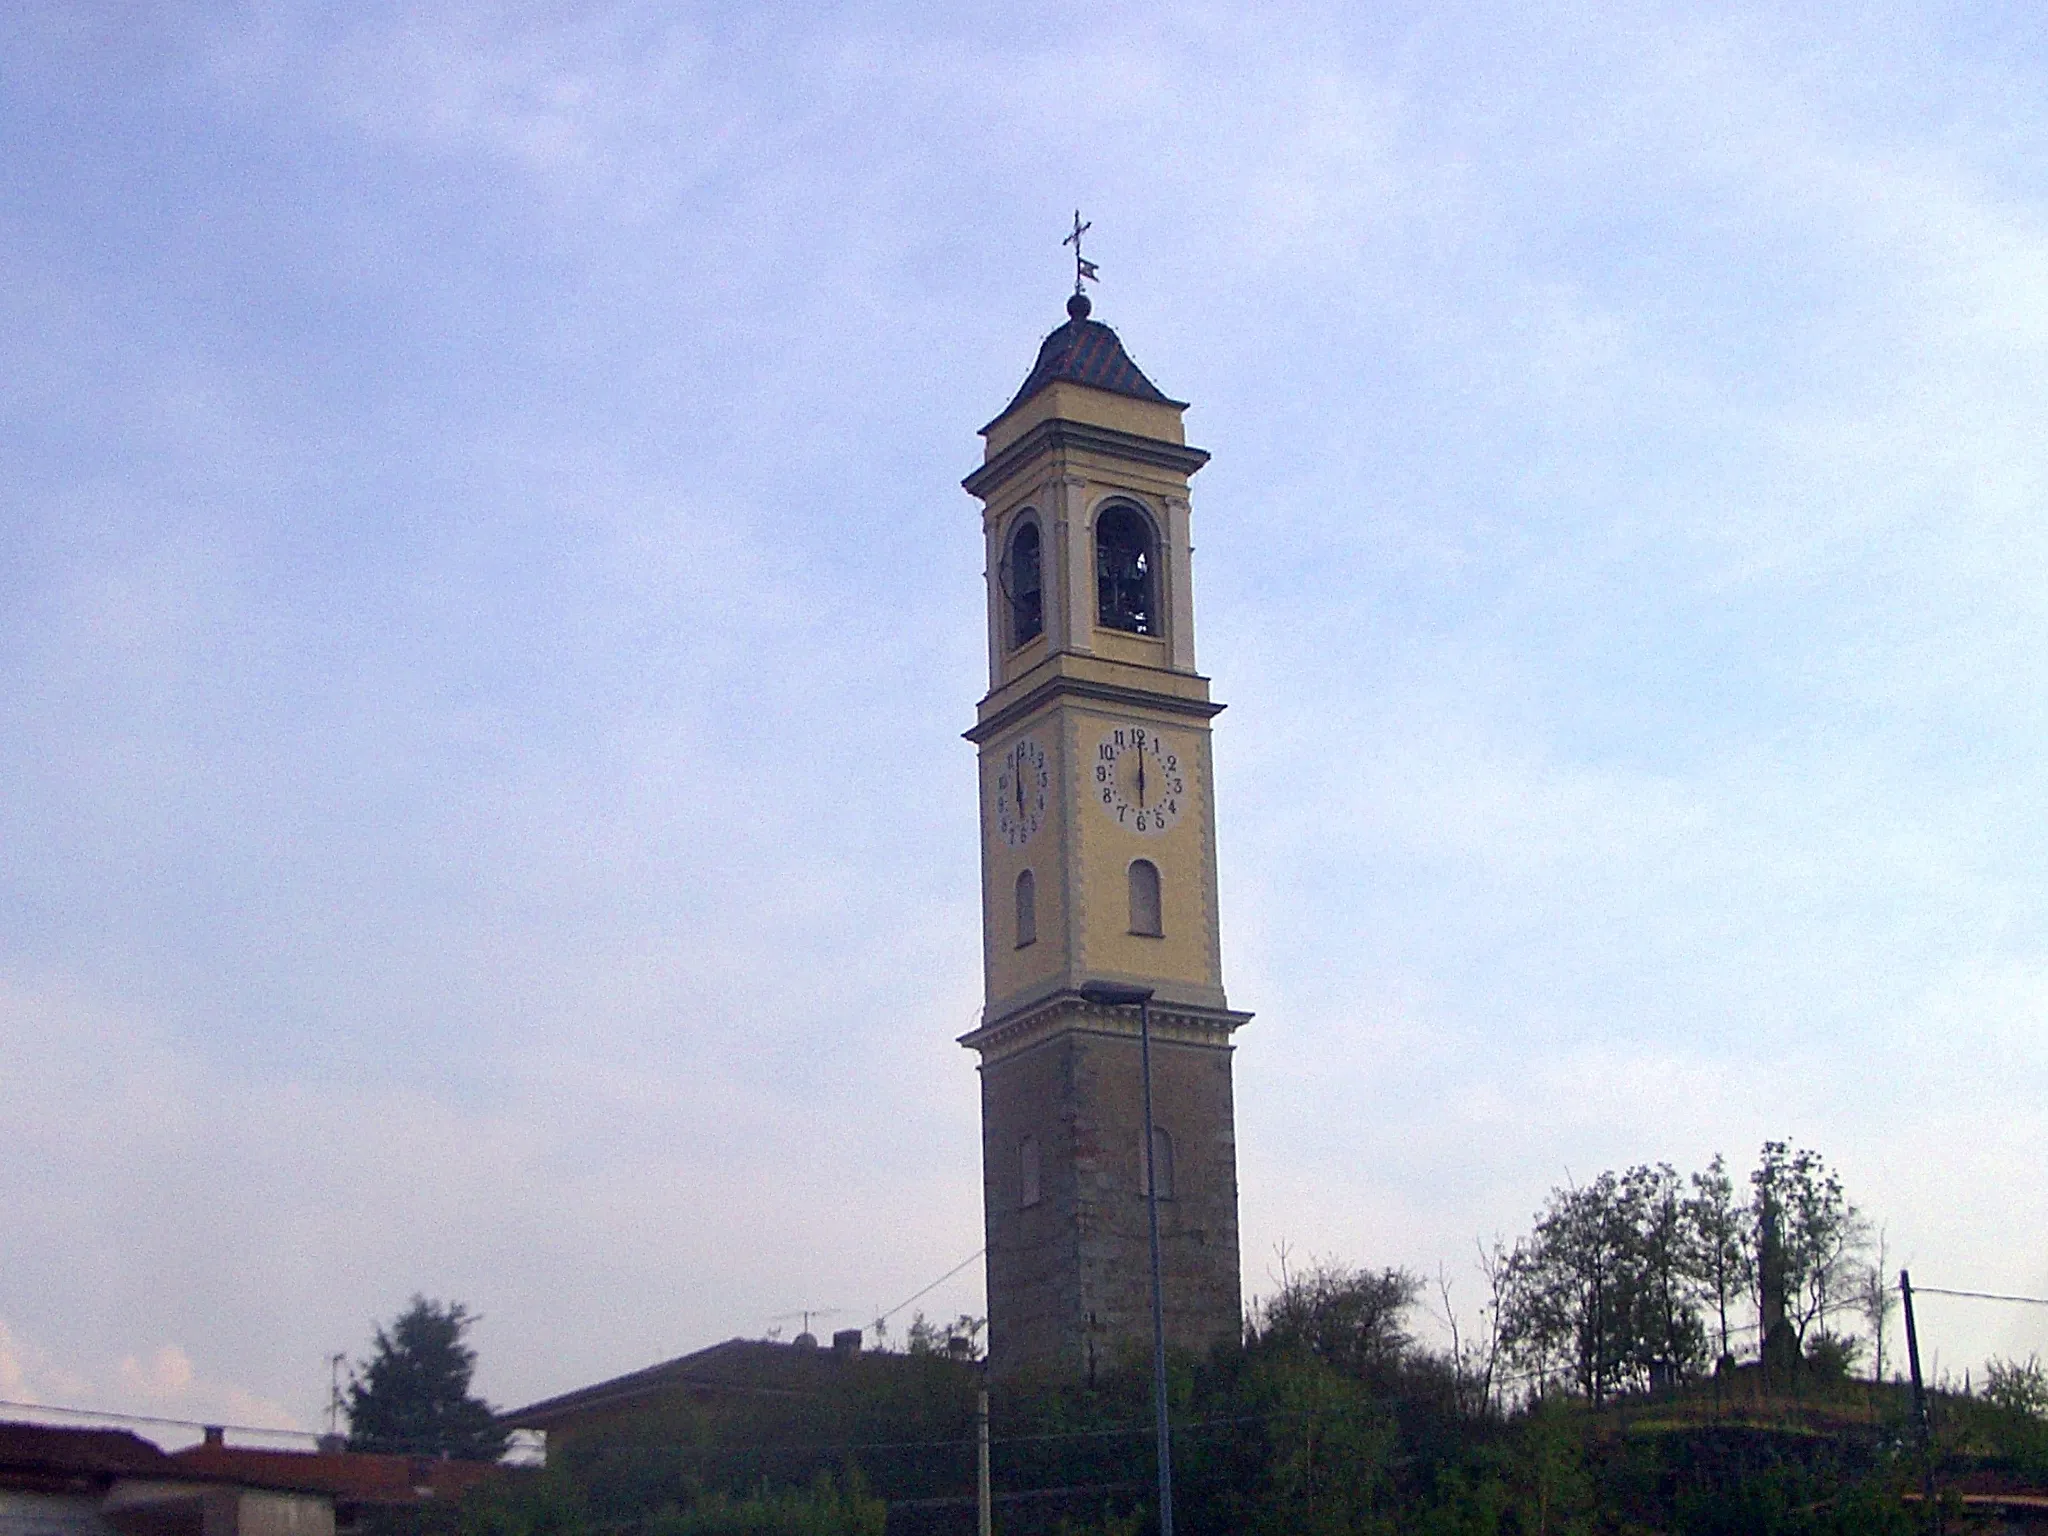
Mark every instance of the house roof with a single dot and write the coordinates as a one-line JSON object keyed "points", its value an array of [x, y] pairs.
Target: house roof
{"points": [[737, 1367], [1085, 351], [53, 1452], [350, 1476], [58, 1450]]}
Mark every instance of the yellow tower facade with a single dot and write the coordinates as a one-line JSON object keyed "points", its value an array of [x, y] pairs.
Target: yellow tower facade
{"points": [[1098, 823]]}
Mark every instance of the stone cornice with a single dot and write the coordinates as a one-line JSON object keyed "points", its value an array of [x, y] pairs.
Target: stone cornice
{"points": [[1070, 1013], [1066, 685], [1060, 435]]}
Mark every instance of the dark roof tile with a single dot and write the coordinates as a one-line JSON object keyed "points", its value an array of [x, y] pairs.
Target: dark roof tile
{"points": [[359, 1476], [1085, 351], [741, 1367], [55, 1448]]}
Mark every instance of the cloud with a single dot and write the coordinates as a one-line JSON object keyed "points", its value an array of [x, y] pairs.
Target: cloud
{"points": [[491, 614], [587, 1168], [30, 1377], [166, 1375], [14, 1383]]}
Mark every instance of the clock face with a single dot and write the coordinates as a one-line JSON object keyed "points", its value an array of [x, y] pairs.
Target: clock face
{"points": [[1138, 779], [1023, 779]]}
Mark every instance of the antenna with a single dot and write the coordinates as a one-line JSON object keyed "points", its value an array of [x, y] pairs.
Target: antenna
{"points": [[806, 1313], [334, 1365]]}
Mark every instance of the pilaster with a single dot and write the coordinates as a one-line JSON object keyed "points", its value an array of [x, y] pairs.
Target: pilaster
{"points": [[1069, 497], [1179, 577]]}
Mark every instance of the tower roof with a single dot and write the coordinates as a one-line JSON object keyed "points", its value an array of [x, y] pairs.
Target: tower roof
{"points": [[1085, 351]]}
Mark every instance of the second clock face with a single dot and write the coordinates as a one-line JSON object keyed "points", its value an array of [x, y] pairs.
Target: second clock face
{"points": [[1023, 779], [1138, 779]]}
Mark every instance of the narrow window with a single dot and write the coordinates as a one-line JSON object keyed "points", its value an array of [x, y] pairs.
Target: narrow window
{"points": [[1027, 1171], [1123, 572], [1023, 584], [1162, 1163], [1145, 898], [1027, 909]]}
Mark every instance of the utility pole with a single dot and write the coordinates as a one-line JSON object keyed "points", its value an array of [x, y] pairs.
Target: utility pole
{"points": [[985, 1516], [1110, 994], [1920, 1416], [334, 1365]]}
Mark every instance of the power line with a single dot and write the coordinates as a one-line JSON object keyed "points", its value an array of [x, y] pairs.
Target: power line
{"points": [[112, 1417], [949, 1274], [144, 1418], [1935, 1290], [1112, 1432]]}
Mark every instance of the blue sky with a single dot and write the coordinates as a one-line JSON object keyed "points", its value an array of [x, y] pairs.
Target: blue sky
{"points": [[487, 613]]}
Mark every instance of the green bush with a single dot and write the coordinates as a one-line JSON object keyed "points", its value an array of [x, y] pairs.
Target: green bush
{"points": [[824, 1509], [2018, 1386]]}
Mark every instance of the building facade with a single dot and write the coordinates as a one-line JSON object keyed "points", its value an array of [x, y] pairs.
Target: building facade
{"points": [[1098, 837]]}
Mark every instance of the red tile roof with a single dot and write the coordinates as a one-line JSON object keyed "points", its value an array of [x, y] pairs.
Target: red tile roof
{"points": [[350, 1476], [63, 1451]]}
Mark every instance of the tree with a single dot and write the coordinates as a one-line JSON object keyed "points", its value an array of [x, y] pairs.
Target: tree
{"points": [[2018, 1386], [1807, 1238], [1604, 1291], [1474, 1360], [1573, 1288], [1876, 1299], [1350, 1319], [1667, 1343], [960, 1339], [1719, 1250], [412, 1395]]}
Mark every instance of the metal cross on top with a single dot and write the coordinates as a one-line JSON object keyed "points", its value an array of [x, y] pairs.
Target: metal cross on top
{"points": [[1083, 268]]}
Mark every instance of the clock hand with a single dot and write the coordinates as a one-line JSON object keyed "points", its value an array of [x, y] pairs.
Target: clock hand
{"points": [[1141, 778]]}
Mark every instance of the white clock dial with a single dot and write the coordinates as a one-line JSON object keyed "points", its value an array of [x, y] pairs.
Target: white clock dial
{"points": [[1023, 780], [1138, 779]]}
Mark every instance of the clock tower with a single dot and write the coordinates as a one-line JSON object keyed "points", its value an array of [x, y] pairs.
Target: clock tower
{"points": [[1098, 860]]}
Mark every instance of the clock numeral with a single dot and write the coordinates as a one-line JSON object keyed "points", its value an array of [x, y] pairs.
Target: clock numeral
{"points": [[1157, 808]]}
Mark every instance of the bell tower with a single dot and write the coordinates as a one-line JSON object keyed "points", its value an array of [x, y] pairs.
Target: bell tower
{"points": [[1098, 858]]}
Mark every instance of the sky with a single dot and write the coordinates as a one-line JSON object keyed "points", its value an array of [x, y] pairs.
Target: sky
{"points": [[487, 613]]}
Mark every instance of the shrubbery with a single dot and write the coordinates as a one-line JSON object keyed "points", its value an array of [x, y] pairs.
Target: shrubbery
{"points": [[1582, 1398]]}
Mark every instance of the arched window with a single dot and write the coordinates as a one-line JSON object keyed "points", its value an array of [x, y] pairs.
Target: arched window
{"points": [[1027, 1171], [1145, 898], [1124, 567], [1162, 1162], [1024, 584], [1027, 909]]}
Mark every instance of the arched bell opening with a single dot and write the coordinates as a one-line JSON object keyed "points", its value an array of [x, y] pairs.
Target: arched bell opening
{"points": [[1126, 571], [1023, 582]]}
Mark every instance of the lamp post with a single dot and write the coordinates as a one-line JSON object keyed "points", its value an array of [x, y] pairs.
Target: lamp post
{"points": [[1109, 994]]}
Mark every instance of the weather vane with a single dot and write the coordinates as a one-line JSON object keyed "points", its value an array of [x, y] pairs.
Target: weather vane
{"points": [[1083, 268]]}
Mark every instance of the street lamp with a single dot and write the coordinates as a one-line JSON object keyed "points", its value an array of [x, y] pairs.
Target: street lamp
{"points": [[1109, 994]]}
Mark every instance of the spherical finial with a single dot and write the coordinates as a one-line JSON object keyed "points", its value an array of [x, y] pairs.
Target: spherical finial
{"points": [[1078, 306]]}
